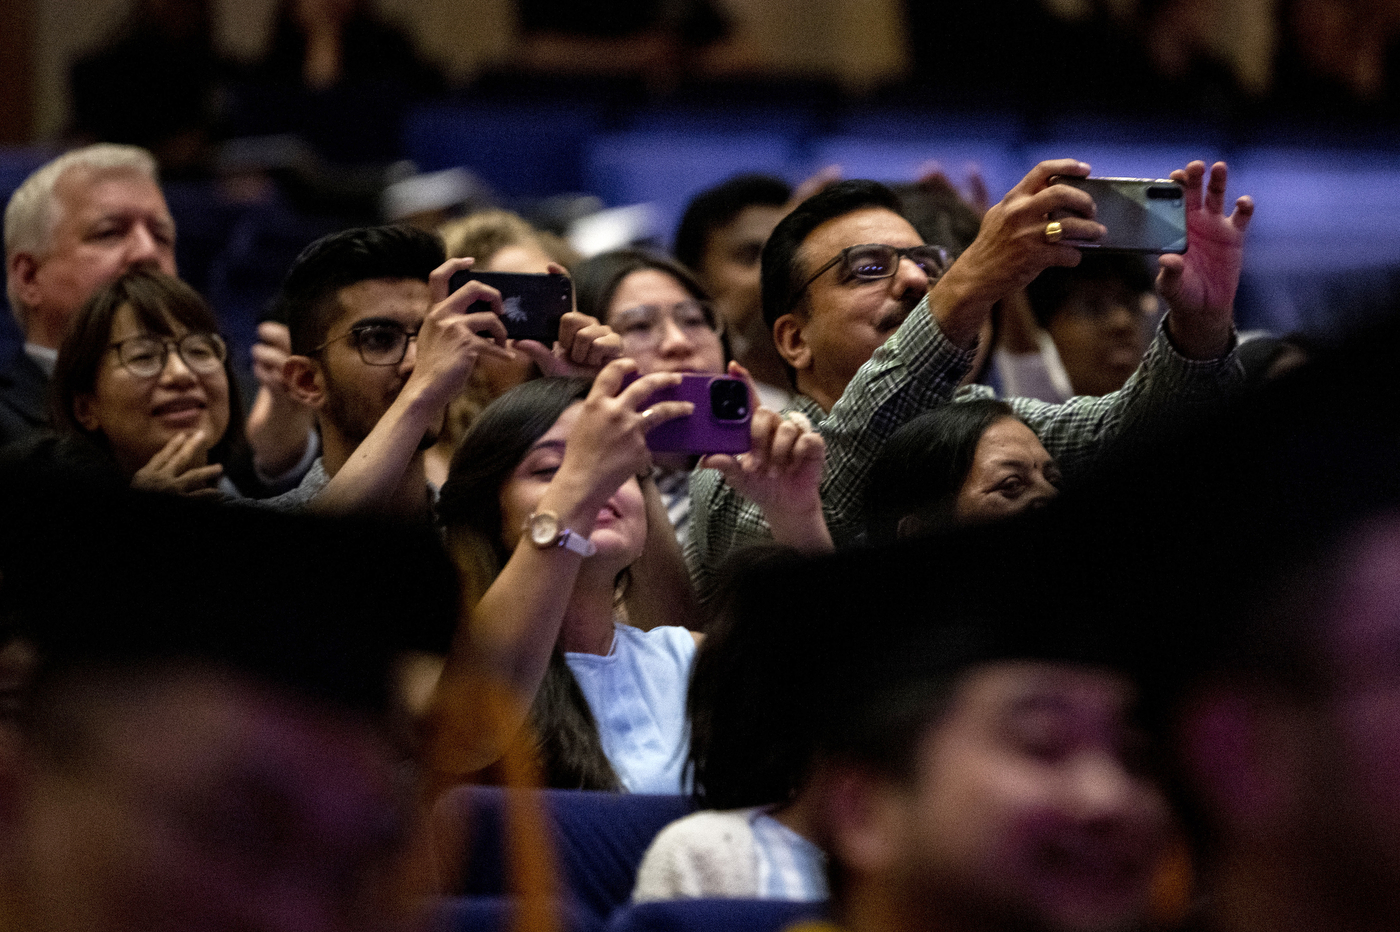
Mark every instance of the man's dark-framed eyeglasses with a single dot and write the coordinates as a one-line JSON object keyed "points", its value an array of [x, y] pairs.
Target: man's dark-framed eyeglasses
{"points": [[382, 343], [870, 262], [145, 356]]}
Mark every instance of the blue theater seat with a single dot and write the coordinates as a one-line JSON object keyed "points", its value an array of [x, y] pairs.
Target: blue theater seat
{"points": [[519, 149], [599, 839], [714, 916]]}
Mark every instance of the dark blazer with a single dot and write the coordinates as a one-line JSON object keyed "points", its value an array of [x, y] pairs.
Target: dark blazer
{"points": [[24, 398]]}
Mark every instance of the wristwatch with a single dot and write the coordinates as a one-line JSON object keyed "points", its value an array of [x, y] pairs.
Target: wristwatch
{"points": [[544, 532]]}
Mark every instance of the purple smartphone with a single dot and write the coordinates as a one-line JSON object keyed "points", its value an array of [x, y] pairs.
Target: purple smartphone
{"points": [[720, 423]]}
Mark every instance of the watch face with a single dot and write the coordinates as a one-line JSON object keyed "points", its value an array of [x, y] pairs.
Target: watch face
{"points": [[543, 529]]}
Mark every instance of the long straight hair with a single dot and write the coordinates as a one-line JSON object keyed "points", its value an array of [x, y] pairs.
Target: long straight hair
{"points": [[469, 507]]}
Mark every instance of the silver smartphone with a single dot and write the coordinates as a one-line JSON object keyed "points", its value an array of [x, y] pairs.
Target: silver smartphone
{"points": [[1145, 215]]}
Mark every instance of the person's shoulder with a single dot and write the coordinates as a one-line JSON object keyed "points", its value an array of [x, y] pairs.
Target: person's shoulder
{"points": [[724, 827], [670, 639], [312, 484], [705, 854]]}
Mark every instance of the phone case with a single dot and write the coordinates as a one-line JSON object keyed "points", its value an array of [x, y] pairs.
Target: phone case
{"points": [[1144, 215], [720, 424], [531, 304]]}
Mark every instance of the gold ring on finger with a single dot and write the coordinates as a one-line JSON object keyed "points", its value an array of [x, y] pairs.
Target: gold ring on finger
{"points": [[1054, 232]]}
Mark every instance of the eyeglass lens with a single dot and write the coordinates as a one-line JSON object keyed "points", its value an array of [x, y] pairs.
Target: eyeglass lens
{"points": [[203, 353], [880, 261], [381, 344], [647, 322]]}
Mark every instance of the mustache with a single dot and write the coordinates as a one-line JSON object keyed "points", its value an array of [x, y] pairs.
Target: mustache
{"points": [[897, 314]]}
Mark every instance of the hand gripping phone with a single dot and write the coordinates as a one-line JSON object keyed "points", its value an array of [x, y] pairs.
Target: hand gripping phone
{"points": [[1144, 215], [531, 303], [720, 423]]}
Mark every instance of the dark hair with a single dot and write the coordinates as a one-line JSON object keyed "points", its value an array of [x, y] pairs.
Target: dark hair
{"points": [[469, 507], [940, 215], [925, 463], [1052, 287], [158, 301], [714, 207], [783, 273], [308, 300], [751, 728], [597, 278]]}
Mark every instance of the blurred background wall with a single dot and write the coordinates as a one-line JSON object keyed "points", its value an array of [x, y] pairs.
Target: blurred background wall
{"points": [[858, 42]]}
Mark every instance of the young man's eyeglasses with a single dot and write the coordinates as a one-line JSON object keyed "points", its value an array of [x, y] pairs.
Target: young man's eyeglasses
{"points": [[870, 262], [146, 356], [381, 343]]}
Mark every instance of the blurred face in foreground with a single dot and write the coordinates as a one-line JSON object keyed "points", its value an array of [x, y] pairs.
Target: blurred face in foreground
{"points": [[1303, 783], [1029, 808], [199, 801]]}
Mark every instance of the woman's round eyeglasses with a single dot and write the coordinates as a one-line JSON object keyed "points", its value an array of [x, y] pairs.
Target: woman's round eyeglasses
{"points": [[145, 356]]}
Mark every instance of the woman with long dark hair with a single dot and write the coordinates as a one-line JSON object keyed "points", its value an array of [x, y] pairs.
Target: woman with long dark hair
{"points": [[545, 510]]}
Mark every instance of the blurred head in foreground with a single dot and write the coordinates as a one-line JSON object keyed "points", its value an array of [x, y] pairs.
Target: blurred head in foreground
{"points": [[208, 739], [979, 756]]}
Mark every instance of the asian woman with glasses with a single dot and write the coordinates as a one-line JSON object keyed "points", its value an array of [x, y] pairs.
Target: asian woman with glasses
{"points": [[143, 384]]}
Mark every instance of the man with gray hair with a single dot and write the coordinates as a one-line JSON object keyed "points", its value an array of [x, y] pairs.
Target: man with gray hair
{"points": [[75, 224]]}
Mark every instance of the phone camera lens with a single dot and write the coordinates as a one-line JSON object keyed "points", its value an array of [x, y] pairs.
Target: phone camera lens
{"points": [[1163, 192], [729, 400]]}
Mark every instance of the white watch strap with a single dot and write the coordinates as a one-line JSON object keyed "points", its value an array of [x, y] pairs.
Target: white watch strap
{"points": [[577, 543]]}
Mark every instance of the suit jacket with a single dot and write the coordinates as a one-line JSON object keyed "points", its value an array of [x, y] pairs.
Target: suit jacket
{"points": [[24, 398]]}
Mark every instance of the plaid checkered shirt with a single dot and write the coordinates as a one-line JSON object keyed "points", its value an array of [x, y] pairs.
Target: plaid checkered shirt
{"points": [[917, 369]]}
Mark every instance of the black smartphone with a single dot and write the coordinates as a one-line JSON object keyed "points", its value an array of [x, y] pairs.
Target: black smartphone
{"points": [[531, 303], [719, 424], [1146, 215]]}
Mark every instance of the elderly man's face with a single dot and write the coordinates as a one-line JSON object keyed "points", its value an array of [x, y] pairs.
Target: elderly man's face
{"points": [[108, 223], [843, 320]]}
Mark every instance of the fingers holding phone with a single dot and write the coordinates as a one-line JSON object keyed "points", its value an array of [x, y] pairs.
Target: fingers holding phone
{"points": [[1141, 215], [584, 347], [781, 473], [722, 409], [608, 443]]}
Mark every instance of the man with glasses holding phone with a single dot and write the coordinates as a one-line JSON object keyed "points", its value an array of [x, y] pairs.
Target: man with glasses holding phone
{"points": [[876, 327], [379, 347]]}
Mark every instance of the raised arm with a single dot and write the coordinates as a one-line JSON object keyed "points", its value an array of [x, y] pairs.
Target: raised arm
{"points": [[1012, 248], [1199, 286], [1191, 362], [514, 626], [280, 427], [447, 347]]}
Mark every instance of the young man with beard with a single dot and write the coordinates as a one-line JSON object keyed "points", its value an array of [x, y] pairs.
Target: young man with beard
{"points": [[379, 349]]}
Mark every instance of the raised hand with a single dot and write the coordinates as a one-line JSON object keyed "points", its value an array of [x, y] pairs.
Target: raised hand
{"points": [[1200, 285], [450, 340], [584, 347], [1012, 247], [269, 353], [781, 473], [608, 442], [169, 471]]}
